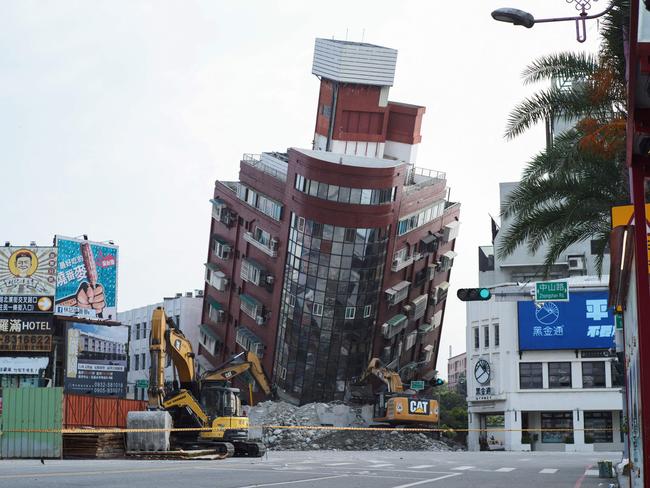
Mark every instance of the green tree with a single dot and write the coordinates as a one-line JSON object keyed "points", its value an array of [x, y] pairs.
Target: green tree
{"points": [[568, 189], [453, 412]]}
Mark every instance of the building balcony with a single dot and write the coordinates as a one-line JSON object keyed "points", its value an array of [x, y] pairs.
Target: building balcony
{"points": [[260, 163], [271, 249]]}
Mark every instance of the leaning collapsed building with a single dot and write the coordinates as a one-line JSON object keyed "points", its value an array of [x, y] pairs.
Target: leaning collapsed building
{"points": [[322, 258]]}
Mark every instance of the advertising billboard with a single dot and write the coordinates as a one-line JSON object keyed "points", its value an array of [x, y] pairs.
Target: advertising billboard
{"points": [[584, 322], [86, 279], [27, 279], [23, 332], [96, 359]]}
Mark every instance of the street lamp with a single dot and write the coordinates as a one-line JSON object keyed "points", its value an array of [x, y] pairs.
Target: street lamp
{"points": [[519, 17]]}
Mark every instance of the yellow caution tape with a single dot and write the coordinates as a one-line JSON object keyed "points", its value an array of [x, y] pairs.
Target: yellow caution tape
{"points": [[289, 427]]}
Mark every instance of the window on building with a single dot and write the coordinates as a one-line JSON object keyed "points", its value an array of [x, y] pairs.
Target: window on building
{"points": [[144, 330], [496, 335], [530, 375], [317, 309], [559, 375], [350, 312], [401, 255], [551, 422], [262, 236], [367, 310], [476, 338], [137, 362], [593, 374], [221, 249], [137, 331], [178, 321], [601, 423], [618, 374], [143, 361], [486, 336]]}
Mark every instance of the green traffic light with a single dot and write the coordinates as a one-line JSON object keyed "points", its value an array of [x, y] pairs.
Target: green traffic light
{"points": [[485, 293]]}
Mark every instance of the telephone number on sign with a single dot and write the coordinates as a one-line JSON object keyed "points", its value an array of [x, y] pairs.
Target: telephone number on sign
{"points": [[16, 342]]}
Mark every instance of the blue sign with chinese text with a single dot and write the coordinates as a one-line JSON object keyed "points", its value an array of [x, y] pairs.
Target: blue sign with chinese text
{"points": [[585, 322]]}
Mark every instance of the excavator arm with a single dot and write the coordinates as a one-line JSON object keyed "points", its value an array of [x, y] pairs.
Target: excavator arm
{"points": [[166, 339], [251, 364], [389, 377]]}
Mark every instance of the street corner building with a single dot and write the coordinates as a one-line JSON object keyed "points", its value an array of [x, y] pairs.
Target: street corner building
{"points": [[322, 258]]}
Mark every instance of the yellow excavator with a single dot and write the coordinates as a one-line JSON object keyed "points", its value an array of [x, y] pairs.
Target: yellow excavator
{"points": [[208, 402], [395, 406]]}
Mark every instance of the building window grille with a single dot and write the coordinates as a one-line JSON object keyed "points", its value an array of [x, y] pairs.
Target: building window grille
{"points": [[137, 362], [593, 374], [367, 310], [496, 335], [551, 422], [600, 424], [486, 336], [476, 338], [137, 332], [559, 375], [350, 312], [530, 376], [317, 309], [410, 339]]}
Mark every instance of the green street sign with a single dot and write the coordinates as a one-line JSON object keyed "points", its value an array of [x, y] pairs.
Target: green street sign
{"points": [[142, 383], [618, 320], [552, 291], [417, 385]]}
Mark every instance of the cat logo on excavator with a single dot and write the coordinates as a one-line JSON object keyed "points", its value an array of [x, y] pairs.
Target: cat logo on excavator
{"points": [[419, 407]]}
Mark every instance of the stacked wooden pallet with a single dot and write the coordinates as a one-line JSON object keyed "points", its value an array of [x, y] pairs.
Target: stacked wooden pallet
{"points": [[93, 445]]}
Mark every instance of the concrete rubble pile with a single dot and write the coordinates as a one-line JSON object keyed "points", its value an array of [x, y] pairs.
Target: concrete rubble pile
{"points": [[335, 414]]}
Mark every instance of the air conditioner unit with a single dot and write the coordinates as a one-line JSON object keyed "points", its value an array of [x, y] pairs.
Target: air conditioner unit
{"points": [[220, 283], [408, 309], [396, 263], [221, 315], [417, 256], [274, 243], [199, 293], [577, 263], [270, 279], [259, 320]]}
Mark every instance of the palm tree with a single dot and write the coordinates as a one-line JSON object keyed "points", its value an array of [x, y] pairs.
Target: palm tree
{"points": [[568, 189]]}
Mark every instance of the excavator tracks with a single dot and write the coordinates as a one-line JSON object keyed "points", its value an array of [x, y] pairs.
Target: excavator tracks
{"points": [[249, 449]]}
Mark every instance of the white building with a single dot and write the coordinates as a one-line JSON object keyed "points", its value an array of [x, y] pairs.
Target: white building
{"points": [[543, 372], [456, 368], [186, 312]]}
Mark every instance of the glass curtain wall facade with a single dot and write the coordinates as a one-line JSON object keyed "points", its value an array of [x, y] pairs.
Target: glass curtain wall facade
{"points": [[330, 294]]}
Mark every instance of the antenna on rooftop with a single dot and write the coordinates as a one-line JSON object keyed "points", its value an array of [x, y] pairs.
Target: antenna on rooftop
{"points": [[363, 34], [346, 33]]}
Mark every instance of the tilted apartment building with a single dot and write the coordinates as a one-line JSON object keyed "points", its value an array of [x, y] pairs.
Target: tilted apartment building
{"points": [[322, 258]]}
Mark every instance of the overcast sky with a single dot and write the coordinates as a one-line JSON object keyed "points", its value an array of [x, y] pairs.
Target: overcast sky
{"points": [[117, 116]]}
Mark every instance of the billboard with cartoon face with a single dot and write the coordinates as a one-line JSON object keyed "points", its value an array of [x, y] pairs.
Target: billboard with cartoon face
{"points": [[27, 279]]}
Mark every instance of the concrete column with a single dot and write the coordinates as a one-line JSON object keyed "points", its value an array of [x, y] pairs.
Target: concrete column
{"points": [[513, 430], [608, 374], [579, 435], [473, 425], [545, 375]]}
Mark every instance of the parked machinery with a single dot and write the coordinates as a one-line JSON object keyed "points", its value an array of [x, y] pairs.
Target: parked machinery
{"points": [[208, 402], [395, 406]]}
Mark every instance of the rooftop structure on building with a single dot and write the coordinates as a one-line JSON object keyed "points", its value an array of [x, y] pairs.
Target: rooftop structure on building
{"points": [[320, 258]]}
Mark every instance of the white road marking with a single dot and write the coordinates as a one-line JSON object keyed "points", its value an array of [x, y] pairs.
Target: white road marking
{"points": [[293, 482], [462, 468], [591, 472], [427, 481], [422, 466], [382, 465], [548, 471], [504, 470], [338, 464]]}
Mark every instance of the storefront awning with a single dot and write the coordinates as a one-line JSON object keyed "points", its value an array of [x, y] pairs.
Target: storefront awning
{"points": [[206, 329], [428, 239], [214, 303], [23, 365], [220, 239]]}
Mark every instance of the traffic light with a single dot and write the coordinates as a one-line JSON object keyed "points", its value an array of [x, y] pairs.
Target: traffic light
{"points": [[437, 382], [473, 294]]}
